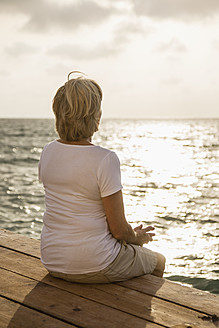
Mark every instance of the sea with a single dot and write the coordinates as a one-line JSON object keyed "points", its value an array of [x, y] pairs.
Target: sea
{"points": [[170, 177]]}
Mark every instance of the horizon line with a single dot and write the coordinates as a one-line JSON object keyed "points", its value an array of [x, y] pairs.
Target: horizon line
{"points": [[118, 118]]}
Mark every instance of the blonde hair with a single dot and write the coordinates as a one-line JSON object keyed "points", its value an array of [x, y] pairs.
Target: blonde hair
{"points": [[77, 107]]}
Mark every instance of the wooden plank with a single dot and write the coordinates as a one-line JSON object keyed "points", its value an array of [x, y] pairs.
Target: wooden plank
{"points": [[189, 297], [14, 315], [169, 291], [64, 305], [20, 243], [161, 312], [113, 295], [174, 292]]}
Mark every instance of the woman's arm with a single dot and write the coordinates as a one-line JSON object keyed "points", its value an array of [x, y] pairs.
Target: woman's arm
{"points": [[118, 225]]}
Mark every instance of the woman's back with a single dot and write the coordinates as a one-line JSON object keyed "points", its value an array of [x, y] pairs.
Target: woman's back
{"points": [[76, 237]]}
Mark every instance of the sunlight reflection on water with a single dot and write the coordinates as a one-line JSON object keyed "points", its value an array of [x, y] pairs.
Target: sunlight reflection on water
{"points": [[170, 173]]}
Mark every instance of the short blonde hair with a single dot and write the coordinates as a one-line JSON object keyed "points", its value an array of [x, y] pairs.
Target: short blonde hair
{"points": [[77, 107]]}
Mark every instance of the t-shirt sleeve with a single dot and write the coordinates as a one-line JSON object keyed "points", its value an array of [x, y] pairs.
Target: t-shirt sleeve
{"points": [[39, 165], [39, 169], [109, 175], [39, 172]]}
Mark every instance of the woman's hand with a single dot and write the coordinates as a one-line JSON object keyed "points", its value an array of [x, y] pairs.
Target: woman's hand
{"points": [[118, 225], [143, 235]]}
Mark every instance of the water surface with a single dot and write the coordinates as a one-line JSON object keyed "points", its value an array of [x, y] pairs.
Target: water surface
{"points": [[170, 175]]}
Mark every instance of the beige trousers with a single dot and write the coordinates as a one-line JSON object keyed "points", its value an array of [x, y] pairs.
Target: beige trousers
{"points": [[132, 261]]}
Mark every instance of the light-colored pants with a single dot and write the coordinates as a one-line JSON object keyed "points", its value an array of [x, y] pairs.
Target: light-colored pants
{"points": [[132, 261]]}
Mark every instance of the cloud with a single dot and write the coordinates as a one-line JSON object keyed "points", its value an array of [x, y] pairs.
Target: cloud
{"points": [[185, 9], [125, 30], [44, 15], [20, 48], [4, 73], [79, 52], [215, 44], [172, 46], [172, 81], [121, 36]]}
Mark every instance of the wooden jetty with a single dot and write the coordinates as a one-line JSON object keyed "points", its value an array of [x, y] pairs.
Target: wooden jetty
{"points": [[32, 298]]}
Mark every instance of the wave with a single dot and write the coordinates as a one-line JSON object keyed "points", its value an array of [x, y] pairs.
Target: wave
{"points": [[17, 161], [209, 285], [171, 218]]}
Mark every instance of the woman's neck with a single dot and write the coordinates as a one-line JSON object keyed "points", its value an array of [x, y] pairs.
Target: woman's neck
{"points": [[82, 142]]}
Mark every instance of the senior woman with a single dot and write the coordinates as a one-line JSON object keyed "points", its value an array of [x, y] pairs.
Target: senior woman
{"points": [[86, 237]]}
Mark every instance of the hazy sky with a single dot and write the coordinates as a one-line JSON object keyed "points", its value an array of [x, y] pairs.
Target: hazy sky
{"points": [[153, 58]]}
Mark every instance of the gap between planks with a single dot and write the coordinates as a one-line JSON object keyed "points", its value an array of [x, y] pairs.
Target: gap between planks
{"points": [[12, 315], [65, 305], [147, 320]]}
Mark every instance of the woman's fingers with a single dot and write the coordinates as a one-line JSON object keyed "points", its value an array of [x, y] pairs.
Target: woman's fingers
{"points": [[148, 229], [149, 236], [144, 235], [138, 227]]}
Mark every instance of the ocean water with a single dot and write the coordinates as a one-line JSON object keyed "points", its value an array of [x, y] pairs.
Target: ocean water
{"points": [[170, 176]]}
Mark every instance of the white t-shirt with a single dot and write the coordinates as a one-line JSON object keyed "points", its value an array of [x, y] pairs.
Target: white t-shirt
{"points": [[75, 236]]}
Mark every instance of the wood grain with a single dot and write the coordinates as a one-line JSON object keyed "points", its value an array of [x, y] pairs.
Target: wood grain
{"points": [[14, 315], [63, 305]]}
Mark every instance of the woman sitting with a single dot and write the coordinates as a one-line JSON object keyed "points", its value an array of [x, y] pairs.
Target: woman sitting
{"points": [[86, 237]]}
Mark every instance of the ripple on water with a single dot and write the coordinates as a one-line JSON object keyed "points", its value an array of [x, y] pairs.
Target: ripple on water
{"points": [[210, 285]]}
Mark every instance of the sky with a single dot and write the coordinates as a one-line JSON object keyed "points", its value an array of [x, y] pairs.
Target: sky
{"points": [[152, 58]]}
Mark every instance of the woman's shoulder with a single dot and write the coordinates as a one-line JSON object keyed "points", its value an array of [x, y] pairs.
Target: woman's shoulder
{"points": [[49, 144], [104, 151], [106, 157], [46, 146]]}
